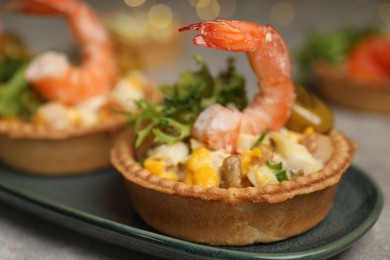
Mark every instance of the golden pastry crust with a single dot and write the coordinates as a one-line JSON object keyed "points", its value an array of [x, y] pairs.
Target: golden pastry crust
{"points": [[233, 216], [20, 129], [41, 150], [335, 85]]}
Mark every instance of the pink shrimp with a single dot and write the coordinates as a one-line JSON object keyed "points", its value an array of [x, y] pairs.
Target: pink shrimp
{"points": [[51, 74], [217, 126]]}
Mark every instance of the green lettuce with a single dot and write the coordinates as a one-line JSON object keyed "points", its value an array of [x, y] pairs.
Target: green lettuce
{"points": [[17, 99], [171, 121]]}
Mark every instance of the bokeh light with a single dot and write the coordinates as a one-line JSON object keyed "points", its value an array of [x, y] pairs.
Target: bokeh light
{"points": [[134, 3], [160, 16], [282, 13], [203, 3], [384, 13], [208, 9]]}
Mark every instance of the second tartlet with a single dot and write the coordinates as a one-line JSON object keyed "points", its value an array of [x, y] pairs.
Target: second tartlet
{"points": [[57, 118]]}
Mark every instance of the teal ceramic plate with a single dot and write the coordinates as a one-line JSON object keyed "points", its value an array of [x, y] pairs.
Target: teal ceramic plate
{"points": [[97, 205]]}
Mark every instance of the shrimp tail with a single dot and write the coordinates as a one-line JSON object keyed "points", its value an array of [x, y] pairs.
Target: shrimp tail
{"points": [[269, 58], [228, 35], [51, 74], [195, 26]]}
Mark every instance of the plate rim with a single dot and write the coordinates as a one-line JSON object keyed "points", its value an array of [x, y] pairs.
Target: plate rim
{"points": [[39, 203]]}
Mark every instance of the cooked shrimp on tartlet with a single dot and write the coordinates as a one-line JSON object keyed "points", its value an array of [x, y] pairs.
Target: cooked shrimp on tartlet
{"points": [[68, 101], [205, 167]]}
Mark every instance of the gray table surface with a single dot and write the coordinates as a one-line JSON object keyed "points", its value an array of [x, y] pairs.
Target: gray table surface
{"points": [[23, 236]]}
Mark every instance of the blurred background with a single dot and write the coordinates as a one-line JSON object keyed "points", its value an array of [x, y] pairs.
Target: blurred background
{"points": [[157, 22]]}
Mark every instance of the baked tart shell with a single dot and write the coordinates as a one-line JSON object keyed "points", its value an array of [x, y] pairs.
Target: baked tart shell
{"points": [[233, 216], [41, 150]]}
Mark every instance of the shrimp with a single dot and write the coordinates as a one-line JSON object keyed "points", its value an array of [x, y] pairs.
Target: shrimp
{"points": [[370, 59], [217, 126], [51, 73]]}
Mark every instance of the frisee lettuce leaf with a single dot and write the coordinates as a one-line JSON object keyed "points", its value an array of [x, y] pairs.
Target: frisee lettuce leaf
{"points": [[171, 121], [152, 119]]}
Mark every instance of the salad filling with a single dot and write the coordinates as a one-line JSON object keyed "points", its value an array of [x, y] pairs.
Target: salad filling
{"points": [[48, 89], [166, 147], [20, 103], [280, 156]]}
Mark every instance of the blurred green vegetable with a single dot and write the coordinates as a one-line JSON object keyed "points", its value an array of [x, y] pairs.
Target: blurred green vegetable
{"points": [[195, 91], [331, 47], [8, 67], [16, 96], [171, 121]]}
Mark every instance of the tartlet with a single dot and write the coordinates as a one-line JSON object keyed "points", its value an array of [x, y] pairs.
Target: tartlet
{"points": [[37, 149], [342, 89], [218, 171], [58, 117], [45, 149], [233, 216], [349, 67]]}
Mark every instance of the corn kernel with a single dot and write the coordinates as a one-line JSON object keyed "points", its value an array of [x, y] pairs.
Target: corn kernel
{"points": [[246, 161], [154, 166], [246, 158], [189, 178], [200, 170], [201, 154], [157, 167], [256, 152], [308, 130], [206, 176]]}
